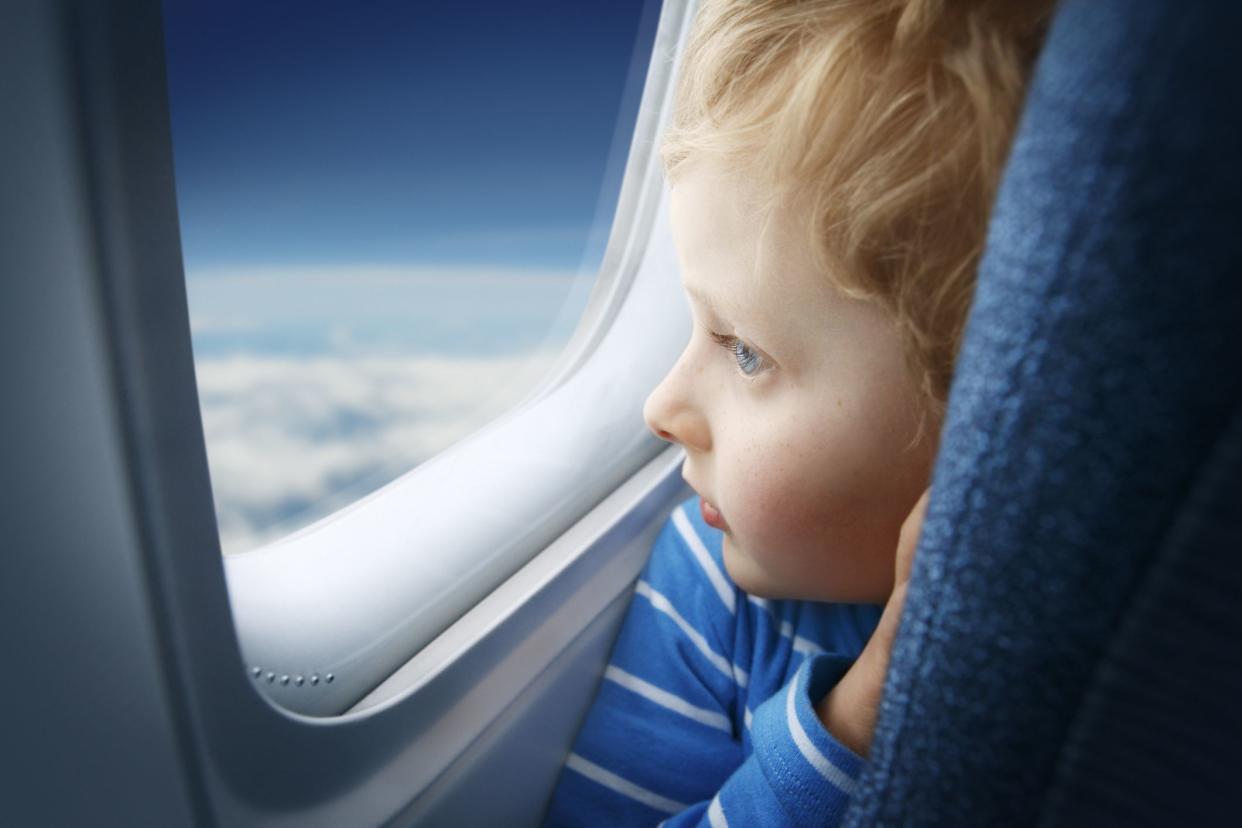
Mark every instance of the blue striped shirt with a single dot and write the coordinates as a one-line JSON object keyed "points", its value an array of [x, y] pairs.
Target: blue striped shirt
{"points": [[705, 713]]}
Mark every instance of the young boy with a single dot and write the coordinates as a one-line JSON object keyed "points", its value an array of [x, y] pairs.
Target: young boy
{"points": [[832, 165]]}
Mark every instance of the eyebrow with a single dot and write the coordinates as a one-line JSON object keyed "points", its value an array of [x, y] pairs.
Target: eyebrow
{"points": [[703, 298], [770, 336]]}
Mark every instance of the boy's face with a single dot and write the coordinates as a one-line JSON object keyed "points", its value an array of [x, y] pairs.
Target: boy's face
{"points": [[793, 403]]}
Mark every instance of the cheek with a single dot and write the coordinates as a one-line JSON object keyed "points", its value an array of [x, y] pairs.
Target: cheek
{"points": [[787, 499], [837, 489]]}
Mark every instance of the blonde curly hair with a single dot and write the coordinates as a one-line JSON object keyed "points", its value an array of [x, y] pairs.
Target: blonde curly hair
{"points": [[890, 120]]}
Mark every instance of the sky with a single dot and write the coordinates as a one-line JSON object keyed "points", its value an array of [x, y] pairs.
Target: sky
{"points": [[386, 209], [393, 131]]}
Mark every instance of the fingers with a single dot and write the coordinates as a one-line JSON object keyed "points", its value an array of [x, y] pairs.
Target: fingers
{"points": [[908, 541]]}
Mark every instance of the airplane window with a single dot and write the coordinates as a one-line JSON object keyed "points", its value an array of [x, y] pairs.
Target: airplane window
{"points": [[392, 214]]}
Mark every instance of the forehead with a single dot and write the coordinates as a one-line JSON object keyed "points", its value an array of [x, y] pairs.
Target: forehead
{"points": [[741, 260]]}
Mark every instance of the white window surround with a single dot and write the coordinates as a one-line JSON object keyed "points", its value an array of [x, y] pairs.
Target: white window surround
{"points": [[331, 612]]}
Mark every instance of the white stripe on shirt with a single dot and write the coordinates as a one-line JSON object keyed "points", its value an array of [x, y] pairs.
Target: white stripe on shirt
{"points": [[821, 763], [622, 786], [704, 558], [805, 645], [673, 702], [802, 645], [716, 815], [718, 661]]}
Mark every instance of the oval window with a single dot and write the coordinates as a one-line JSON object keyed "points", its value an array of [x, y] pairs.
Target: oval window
{"points": [[392, 215]]}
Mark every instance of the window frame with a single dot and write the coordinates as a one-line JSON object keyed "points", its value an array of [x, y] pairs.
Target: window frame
{"points": [[246, 758]]}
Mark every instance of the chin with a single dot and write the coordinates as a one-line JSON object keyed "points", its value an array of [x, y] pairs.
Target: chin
{"points": [[749, 577], [753, 580]]}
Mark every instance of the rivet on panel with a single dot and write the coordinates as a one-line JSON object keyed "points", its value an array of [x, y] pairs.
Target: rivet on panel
{"points": [[329, 678], [299, 681]]}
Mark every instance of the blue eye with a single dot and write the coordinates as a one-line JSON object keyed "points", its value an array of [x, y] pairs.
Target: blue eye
{"points": [[748, 361]]}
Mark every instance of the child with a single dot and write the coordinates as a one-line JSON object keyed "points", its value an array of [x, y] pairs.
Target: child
{"points": [[832, 164]]}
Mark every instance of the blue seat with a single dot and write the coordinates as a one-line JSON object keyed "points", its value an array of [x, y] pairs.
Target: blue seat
{"points": [[1072, 646]]}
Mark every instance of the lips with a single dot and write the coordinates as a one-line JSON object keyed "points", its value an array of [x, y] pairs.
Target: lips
{"points": [[712, 516]]}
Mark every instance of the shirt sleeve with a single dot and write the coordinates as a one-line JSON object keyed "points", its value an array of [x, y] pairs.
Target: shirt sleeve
{"points": [[661, 741]]}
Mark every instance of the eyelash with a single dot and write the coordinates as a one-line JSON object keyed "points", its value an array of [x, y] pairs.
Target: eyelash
{"points": [[749, 362]]}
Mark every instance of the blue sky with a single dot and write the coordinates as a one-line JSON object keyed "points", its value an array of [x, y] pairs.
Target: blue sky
{"points": [[392, 132]]}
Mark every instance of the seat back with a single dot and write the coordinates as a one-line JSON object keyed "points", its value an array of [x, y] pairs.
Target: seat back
{"points": [[1070, 647]]}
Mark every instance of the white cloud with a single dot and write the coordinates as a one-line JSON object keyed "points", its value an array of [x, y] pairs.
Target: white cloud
{"points": [[201, 324], [291, 439], [365, 309]]}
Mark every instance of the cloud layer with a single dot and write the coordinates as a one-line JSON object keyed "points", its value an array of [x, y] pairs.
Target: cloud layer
{"points": [[291, 439]]}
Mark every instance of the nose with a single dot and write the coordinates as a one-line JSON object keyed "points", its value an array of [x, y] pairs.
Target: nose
{"points": [[674, 413]]}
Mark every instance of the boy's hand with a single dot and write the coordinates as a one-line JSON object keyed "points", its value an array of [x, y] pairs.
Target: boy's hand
{"points": [[849, 711], [908, 541]]}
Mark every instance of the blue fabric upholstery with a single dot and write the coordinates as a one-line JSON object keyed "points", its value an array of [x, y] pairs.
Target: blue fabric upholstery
{"points": [[1071, 647]]}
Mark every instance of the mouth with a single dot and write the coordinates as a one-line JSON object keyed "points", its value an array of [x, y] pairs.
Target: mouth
{"points": [[711, 515]]}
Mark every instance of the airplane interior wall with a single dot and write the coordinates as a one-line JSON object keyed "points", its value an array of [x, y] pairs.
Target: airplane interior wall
{"points": [[130, 703], [91, 729]]}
